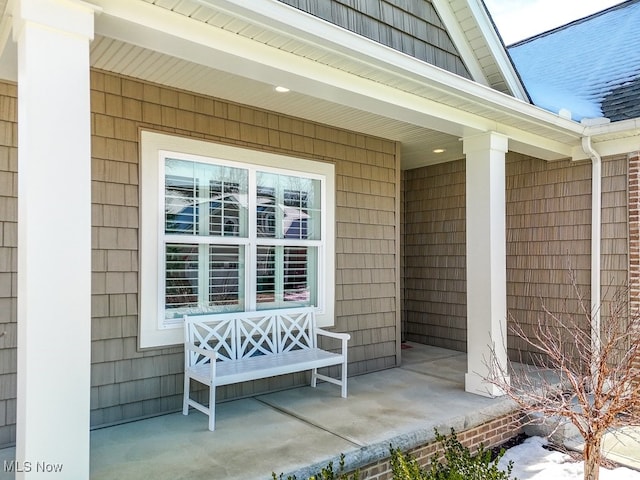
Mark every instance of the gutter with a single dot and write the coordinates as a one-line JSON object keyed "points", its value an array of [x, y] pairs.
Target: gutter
{"points": [[596, 241]]}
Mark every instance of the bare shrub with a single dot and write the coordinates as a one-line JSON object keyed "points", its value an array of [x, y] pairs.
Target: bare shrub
{"points": [[586, 376]]}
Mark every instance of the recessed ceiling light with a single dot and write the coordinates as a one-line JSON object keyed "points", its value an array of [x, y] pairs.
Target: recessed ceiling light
{"points": [[439, 150], [280, 89]]}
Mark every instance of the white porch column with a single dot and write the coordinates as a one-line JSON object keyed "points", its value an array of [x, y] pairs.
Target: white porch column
{"points": [[486, 258], [54, 236]]}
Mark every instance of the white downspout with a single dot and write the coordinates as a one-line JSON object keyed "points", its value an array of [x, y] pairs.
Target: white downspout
{"points": [[596, 222]]}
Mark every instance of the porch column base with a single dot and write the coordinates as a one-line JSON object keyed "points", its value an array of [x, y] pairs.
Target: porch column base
{"points": [[474, 383]]}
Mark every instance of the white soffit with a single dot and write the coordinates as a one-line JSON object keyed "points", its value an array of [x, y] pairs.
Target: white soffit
{"points": [[364, 87], [112, 55], [409, 91]]}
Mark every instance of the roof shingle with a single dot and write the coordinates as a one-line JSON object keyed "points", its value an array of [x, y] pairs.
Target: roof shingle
{"points": [[590, 67]]}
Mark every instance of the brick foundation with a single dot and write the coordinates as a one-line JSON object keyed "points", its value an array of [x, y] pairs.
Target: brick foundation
{"points": [[490, 434]]}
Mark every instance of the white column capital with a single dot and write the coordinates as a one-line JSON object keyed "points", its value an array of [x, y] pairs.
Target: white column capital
{"points": [[69, 16], [485, 141]]}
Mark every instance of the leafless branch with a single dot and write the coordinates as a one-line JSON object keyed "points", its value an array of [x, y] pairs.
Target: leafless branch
{"points": [[594, 389]]}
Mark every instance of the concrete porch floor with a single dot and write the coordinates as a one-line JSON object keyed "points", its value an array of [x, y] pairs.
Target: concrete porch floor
{"points": [[299, 431]]}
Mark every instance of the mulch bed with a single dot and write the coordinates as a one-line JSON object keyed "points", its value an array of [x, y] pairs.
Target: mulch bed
{"points": [[512, 442]]}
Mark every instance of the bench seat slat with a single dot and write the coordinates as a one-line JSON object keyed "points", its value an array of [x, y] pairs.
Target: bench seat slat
{"points": [[262, 366]]}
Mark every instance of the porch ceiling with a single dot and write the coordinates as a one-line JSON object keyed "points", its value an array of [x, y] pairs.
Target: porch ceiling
{"points": [[417, 141], [224, 49]]}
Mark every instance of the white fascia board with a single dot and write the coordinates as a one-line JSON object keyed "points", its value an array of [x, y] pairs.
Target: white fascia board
{"points": [[606, 148], [164, 31], [294, 23], [536, 146], [629, 127], [148, 26], [541, 151], [498, 50], [460, 40], [628, 138]]}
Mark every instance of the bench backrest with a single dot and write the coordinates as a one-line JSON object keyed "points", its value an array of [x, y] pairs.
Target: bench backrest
{"points": [[248, 334]]}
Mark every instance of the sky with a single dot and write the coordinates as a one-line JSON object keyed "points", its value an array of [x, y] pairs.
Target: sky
{"points": [[520, 19]]}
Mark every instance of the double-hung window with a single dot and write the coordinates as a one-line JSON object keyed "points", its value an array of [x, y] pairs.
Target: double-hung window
{"points": [[229, 229]]}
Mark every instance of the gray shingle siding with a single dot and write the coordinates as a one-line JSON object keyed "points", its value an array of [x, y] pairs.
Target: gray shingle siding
{"points": [[409, 26], [129, 383]]}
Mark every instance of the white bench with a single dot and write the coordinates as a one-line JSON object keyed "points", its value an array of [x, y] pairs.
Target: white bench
{"points": [[223, 349]]}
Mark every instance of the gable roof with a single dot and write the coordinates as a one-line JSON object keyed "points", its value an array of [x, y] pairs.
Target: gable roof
{"points": [[411, 27], [590, 67], [474, 34], [455, 35]]}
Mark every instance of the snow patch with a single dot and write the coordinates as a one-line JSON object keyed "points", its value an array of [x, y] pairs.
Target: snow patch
{"points": [[531, 461], [576, 66]]}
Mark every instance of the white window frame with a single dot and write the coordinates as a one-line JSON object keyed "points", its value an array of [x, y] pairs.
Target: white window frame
{"points": [[153, 330]]}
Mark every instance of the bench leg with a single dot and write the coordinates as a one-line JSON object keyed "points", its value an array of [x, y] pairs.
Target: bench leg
{"points": [[344, 378], [212, 407], [185, 396], [314, 377]]}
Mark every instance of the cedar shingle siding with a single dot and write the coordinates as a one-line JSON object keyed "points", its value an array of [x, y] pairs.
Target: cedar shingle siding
{"points": [[409, 26], [634, 239], [8, 260], [548, 229], [548, 219], [127, 383], [435, 304]]}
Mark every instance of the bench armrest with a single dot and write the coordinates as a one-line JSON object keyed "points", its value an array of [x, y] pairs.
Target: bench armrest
{"points": [[327, 333], [343, 337], [210, 354]]}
